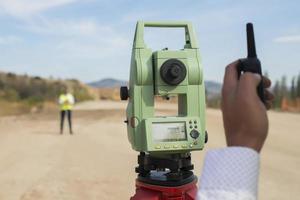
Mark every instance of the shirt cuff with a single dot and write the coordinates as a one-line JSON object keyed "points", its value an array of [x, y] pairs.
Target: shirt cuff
{"points": [[230, 173]]}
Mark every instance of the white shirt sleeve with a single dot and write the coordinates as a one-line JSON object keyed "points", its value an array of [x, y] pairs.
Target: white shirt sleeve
{"points": [[71, 99], [229, 174], [60, 100]]}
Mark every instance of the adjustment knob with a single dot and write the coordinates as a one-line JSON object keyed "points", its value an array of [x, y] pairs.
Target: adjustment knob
{"points": [[206, 137], [194, 134], [124, 94]]}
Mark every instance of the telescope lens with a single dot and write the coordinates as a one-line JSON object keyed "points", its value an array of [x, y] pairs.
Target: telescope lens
{"points": [[173, 72]]}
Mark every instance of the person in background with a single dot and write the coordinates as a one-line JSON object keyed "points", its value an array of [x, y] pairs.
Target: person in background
{"points": [[66, 101], [231, 173]]}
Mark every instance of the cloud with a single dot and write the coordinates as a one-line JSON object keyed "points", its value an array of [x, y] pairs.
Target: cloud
{"points": [[104, 43], [59, 27], [27, 8], [97, 47], [288, 39], [80, 38], [140, 15], [10, 39]]}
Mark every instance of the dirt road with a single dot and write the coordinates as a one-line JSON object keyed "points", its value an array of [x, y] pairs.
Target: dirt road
{"points": [[36, 163]]}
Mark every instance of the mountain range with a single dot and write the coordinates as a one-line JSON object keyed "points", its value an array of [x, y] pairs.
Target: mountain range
{"points": [[213, 88]]}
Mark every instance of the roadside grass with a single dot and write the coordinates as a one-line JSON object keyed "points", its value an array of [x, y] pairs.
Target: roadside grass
{"points": [[13, 108], [8, 108]]}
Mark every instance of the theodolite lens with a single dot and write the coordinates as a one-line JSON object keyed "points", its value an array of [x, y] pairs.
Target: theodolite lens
{"points": [[173, 72]]}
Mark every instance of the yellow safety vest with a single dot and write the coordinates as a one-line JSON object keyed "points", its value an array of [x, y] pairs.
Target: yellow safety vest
{"points": [[66, 101]]}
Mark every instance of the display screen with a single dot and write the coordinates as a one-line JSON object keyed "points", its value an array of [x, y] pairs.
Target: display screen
{"points": [[169, 132]]}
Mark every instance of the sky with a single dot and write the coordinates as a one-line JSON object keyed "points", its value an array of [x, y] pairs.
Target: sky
{"points": [[92, 39]]}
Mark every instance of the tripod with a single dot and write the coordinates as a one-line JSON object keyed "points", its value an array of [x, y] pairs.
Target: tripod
{"points": [[165, 178]]}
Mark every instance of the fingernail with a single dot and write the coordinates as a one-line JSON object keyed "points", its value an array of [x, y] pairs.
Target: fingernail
{"points": [[257, 76]]}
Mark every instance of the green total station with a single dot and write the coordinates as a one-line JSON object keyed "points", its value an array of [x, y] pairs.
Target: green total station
{"points": [[165, 73]]}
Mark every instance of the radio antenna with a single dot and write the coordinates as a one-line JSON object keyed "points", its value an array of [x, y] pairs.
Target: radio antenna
{"points": [[251, 41]]}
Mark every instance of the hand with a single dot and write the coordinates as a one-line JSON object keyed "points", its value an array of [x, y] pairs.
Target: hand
{"points": [[244, 114]]}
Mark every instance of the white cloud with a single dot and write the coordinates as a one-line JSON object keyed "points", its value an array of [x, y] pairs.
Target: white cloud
{"points": [[27, 8], [288, 39], [104, 43], [10, 39], [83, 27], [140, 15], [84, 38]]}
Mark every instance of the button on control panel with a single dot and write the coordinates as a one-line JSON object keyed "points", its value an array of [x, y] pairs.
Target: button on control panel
{"points": [[193, 124]]}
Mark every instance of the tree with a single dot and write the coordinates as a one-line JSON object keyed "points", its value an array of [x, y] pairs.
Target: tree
{"points": [[1, 84], [277, 95], [283, 87], [298, 86], [293, 89]]}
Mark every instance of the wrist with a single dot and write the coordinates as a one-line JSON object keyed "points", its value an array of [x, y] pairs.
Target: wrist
{"points": [[251, 144]]}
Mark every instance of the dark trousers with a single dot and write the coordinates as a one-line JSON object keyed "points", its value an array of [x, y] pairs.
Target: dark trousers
{"points": [[62, 119]]}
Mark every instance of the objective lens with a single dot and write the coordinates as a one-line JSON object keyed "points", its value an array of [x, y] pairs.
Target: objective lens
{"points": [[173, 72]]}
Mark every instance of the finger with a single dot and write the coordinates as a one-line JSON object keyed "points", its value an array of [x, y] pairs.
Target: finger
{"points": [[249, 81], [268, 105], [269, 96], [231, 77], [247, 89], [266, 82]]}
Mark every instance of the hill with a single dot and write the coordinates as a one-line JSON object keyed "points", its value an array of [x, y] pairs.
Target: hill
{"points": [[108, 83], [19, 93], [108, 88], [212, 88]]}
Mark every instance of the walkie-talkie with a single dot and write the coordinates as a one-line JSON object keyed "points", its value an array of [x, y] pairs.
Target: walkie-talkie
{"points": [[252, 63]]}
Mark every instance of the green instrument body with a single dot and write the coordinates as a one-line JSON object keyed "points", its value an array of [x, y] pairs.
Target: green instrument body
{"points": [[184, 132]]}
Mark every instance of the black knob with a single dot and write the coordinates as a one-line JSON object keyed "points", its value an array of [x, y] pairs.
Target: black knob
{"points": [[206, 137], [194, 134], [173, 72], [124, 94]]}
